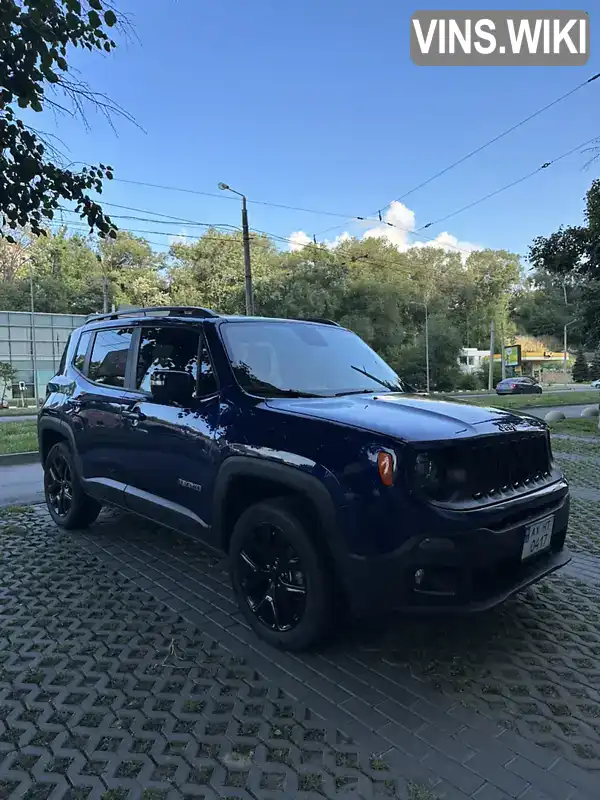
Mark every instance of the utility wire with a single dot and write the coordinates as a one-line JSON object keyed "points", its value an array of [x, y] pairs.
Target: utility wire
{"points": [[223, 196], [481, 147], [523, 178]]}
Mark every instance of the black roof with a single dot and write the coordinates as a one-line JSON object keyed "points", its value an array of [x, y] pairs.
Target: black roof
{"points": [[187, 312]]}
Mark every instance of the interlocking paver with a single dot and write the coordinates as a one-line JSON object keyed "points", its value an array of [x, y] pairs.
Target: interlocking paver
{"points": [[123, 709], [106, 692]]}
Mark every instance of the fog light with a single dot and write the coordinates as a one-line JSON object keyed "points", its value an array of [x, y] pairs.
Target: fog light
{"points": [[419, 577]]}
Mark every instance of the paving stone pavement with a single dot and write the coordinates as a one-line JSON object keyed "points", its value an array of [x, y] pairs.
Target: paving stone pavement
{"points": [[126, 671]]}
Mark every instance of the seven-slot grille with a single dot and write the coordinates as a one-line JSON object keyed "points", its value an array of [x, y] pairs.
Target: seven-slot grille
{"points": [[505, 463]]}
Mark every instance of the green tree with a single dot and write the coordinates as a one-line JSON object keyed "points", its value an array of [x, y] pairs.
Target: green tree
{"points": [[571, 256], [594, 372], [210, 272], [8, 375], [36, 42], [135, 273], [580, 368]]}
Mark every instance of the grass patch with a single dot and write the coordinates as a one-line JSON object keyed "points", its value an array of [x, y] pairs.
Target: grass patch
{"points": [[546, 400], [18, 437], [576, 427]]}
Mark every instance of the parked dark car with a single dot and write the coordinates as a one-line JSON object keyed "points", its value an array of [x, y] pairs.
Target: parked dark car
{"points": [[518, 386], [294, 448]]}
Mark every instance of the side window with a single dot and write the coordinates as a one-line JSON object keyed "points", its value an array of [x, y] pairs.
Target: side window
{"points": [[80, 352], [63, 359], [109, 356], [174, 350]]}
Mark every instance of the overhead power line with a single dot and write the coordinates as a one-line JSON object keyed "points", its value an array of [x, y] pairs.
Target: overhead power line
{"points": [[479, 149], [510, 185], [227, 197]]}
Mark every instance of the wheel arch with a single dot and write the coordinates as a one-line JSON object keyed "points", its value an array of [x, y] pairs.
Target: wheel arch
{"points": [[52, 431], [244, 480]]}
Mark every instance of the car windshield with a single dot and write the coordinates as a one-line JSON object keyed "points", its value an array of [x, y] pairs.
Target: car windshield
{"points": [[304, 360]]}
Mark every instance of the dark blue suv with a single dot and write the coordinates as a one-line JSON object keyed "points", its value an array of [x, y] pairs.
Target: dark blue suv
{"points": [[290, 445]]}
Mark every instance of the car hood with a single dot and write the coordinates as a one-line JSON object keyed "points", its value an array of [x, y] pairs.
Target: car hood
{"points": [[408, 417]]}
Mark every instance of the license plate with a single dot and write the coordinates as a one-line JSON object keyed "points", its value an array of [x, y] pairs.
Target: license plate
{"points": [[537, 537]]}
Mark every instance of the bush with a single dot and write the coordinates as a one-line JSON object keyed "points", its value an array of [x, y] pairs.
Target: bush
{"points": [[470, 382]]}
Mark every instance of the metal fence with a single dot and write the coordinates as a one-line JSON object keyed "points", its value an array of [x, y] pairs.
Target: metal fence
{"points": [[39, 339]]}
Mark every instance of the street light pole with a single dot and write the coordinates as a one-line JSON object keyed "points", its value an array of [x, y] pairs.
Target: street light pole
{"points": [[246, 242], [427, 344], [565, 354], [33, 336], [426, 307]]}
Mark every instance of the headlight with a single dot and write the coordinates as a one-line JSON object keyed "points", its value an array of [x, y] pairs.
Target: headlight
{"points": [[427, 473]]}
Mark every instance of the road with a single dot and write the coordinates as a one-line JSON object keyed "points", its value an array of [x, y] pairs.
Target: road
{"points": [[21, 484], [16, 417]]}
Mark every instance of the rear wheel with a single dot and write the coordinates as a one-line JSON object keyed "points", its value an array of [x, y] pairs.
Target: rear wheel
{"points": [[67, 503], [281, 581]]}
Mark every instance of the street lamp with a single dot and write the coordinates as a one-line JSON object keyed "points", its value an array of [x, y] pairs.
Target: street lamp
{"points": [[565, 349], [425, 306], [246, 240]]}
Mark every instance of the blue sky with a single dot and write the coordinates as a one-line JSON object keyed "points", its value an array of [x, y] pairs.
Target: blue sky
{"points": [[317, 104]]}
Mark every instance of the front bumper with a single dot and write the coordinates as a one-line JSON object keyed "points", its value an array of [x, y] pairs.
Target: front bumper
{"points": [[473, 569]]}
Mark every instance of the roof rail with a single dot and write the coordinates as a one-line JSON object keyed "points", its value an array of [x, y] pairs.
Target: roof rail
{"points": [[171, 311], [319, 319]]}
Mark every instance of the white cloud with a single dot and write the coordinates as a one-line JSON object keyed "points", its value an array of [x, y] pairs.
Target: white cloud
{"points": [[298, 240], [182, 237], [398, 229]]}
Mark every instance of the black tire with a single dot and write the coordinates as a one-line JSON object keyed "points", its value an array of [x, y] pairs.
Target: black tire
{"points": [[304, 620], [69, 506]]}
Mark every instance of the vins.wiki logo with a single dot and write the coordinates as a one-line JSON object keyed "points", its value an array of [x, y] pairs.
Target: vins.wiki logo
{"points": [[497, 38]]}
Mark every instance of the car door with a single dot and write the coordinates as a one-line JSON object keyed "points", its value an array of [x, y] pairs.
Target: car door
{"points": [[95, 409], [171, 452]]}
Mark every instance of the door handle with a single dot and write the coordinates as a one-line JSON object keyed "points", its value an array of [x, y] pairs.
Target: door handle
{"points": [[134, 416]]}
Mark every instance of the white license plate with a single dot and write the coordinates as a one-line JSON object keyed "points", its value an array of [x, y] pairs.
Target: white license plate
{"points": [[537, 537]]}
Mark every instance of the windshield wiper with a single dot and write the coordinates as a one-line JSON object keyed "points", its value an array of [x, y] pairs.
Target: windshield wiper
{"points": [[386, 384], [354, 391], [274, 392]]}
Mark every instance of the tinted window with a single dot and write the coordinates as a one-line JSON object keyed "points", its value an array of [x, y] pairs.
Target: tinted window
{"points": [[109, 356], [63, 358], [299, 358], [175, 349], [80, 353]]}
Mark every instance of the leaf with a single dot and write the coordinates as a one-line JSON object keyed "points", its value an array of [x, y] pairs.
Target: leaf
{"points": [[95, 4], [95, 21], [111, 19]]}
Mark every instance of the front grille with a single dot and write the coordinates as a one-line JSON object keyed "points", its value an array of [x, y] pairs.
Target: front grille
{"points": [[490, 467], [506, 463]]}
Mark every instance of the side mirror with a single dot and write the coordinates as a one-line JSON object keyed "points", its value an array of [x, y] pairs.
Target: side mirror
{"points": [[172, 387]]}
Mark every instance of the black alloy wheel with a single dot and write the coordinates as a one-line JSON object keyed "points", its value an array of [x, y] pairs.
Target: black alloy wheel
{"points": [[69, 506], [272, 578], [281, 575], [59, 484]]}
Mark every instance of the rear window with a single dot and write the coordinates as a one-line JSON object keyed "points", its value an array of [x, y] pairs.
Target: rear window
{"points": [[109, 356]]}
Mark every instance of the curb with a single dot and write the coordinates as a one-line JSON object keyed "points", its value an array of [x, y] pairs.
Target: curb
{"points": [[13, 459]]}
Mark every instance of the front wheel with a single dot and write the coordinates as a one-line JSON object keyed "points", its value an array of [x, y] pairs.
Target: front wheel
{"points": [[282, 583], [67, 503]]}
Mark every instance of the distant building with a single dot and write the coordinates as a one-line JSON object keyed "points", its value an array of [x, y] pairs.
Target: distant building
{"points": [[533, 362], [50, 332], [471, 359]]}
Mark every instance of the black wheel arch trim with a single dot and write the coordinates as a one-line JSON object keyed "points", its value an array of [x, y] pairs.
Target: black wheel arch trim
{"points": [[290, 477], [65, 431]]}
